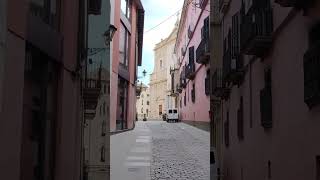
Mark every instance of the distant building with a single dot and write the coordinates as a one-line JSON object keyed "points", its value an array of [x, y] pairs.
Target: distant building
{"points": [[160, 90], [192, 51], [126, 55], [143, 102]]}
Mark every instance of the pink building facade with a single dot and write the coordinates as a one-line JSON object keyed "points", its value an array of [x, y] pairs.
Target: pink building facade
{"points": [[126, 56], [40, 94], [192, 50], [267, 106]]}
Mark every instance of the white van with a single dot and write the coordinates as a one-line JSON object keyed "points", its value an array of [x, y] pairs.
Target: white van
{"points": [[173, 115]]}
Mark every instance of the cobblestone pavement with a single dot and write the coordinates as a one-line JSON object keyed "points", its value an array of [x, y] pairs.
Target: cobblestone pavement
{"points": [[179, 152], [158, 150]]}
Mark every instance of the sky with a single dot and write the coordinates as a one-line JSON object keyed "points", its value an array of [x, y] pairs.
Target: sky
{"points": [[156, 11]]}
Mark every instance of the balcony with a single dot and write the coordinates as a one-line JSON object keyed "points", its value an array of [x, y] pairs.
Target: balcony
{"points": [[183, 81], [223, 5], [207, 86], [91, 87], [266, 107], [91, 93], [178, 88], [191, 71], [203, 52], [233, 71], [256, 32], [138, 91], [218, 86], [94, 7], [312, 76]]}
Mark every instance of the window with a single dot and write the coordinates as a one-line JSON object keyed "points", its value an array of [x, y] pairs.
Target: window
{"points": [[226, 131], [160, 64], [175, 111], [240, 120], [311, 67], [266, 101], [148, 95], [170, 111], [103, 128], [104, 108], [269, 169], [147, 112], [185, 101], [141, 110], [148, 102], [125, 8], [193, 93], [122, 104], [103, 154], [160, 109], [142, 102], [318, 168], [124, 46]]}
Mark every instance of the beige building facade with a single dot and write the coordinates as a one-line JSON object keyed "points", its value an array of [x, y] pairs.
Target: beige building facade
{"points": [[143, 103], [160, 86]]}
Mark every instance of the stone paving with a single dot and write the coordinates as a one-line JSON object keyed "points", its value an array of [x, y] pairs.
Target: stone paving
{"points": [[179, 152], [158, 150]]}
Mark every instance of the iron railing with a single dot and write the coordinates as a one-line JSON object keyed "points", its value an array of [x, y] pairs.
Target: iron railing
{"points": [[219, 88], [190, 70], [256, 31], [203, 52]]}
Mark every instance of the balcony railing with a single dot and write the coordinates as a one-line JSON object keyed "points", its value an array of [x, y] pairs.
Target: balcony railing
{"points": [[178, 88], [256, 31], [191, 70], [232, 68], [92, 87], [218, 86], [183, 81], [203, 52], [266, 107], [312, 76]]}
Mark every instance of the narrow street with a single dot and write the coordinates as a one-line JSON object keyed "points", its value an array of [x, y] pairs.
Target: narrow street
{"points": [[158, 150]]}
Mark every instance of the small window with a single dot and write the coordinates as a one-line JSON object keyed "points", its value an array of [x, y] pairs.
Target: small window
{"points": [[318, 168], [103, 154], [148, 102], [269, 169], [142, 102], [175, 111], [170, 111], [161, 64], [141, 110], [104, 108]]}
